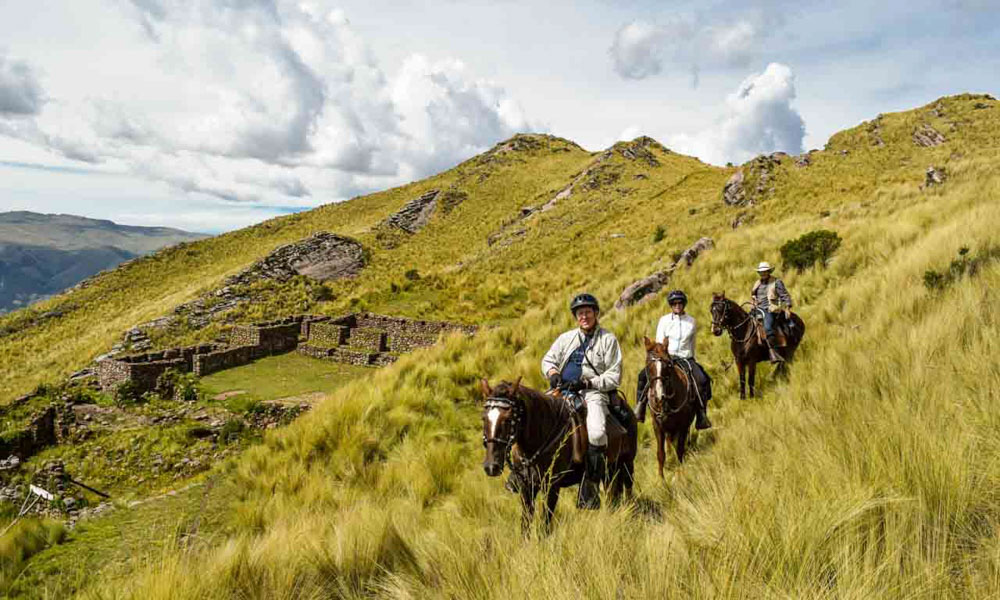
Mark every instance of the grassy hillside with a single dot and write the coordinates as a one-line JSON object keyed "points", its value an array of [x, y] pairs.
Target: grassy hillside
{"points": [[870, 472]]}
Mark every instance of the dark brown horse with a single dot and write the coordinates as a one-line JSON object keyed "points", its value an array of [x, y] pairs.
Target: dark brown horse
{"points": [[532, 433], [671, 400], [747, 338]]}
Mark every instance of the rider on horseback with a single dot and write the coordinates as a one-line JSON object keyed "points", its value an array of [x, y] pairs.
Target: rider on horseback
{"points": [[588, 361], [771, 302], [678, 330]]}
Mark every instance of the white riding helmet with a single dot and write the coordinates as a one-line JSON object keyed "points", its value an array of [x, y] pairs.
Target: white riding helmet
{"points": [[764, 266]]}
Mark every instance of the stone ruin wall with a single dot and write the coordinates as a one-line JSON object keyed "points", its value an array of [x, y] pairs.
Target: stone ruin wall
{"points": [[373, 340], [362, 339]]}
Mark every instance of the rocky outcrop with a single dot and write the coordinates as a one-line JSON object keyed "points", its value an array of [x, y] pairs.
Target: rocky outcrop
{"points": [[645, 289], [753, 181], [934, 176], [744, 218], [415, 214], [803, 160], [733, 193], [875, 132], [926, 136], [321, 257]]}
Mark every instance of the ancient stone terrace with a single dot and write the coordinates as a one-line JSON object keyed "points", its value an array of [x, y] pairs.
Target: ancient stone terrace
{"points": [[359, 339], [373, 340]]}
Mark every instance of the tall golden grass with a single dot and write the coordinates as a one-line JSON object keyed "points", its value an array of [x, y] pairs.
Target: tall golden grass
{"points": [[871, 472]]}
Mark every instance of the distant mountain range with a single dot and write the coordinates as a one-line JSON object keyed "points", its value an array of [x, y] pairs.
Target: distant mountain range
{"points": [[41, 255]]}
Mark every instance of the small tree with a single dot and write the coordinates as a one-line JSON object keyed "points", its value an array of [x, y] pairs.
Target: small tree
{"points": [[805, 251], [659, 234]]}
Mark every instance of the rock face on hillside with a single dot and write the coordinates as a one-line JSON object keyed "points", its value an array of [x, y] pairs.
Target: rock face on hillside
{"points": [[415, 215], [322, 256], [645, 289], [753, 181], [934, 176], [926, 136]]}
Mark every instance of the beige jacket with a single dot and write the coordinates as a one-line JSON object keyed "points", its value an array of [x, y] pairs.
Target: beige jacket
{"points": [[778, 298], [604, 354]]}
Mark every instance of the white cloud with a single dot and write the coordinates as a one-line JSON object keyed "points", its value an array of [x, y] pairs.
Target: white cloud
{"points": [[270, 102], [759, 119], [20, 92], [690, 43]]}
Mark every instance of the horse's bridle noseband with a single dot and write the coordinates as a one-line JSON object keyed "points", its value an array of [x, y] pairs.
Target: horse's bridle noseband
{"points": [[668, 410], [517, 409]]}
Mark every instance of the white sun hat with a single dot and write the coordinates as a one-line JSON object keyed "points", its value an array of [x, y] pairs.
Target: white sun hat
{"points": [[764, 266]]}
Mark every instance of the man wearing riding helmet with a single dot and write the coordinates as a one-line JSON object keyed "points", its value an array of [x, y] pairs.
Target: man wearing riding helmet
{"points": [[587, 360], [770, 300], [677, 330]]}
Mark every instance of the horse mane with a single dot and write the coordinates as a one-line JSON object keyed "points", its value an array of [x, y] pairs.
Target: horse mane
{"points": [[505, 389]]}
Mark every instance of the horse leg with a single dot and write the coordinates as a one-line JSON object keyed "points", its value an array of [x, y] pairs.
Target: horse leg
{"points": [[740, 366], [661, 454], [752, 367], [681, 445], [614, 483], [528, 493], [551, 499]]}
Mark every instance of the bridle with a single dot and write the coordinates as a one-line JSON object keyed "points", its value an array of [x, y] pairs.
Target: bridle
{"points": [[665, 408], [516, 406], [723, 323]]}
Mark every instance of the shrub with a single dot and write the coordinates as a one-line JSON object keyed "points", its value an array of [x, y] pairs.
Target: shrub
{"points": [[179, 386], [412, 275], [805, 251], [659, 234], [960, 267]]}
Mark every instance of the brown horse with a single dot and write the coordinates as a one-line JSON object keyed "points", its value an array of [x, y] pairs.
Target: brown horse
{"points": [[533, 432], [746, 338], [671, 398]]}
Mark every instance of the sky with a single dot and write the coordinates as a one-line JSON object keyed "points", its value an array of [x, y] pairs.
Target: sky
{"points": [[210, 115]]}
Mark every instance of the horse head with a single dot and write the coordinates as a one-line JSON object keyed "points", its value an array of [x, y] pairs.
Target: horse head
{"points": [[662, 377], [720, 312], [503, 411]]}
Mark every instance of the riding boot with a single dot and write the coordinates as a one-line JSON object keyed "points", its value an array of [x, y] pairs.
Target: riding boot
{"points": [[772, 342], [590, 496], [701, 419]]}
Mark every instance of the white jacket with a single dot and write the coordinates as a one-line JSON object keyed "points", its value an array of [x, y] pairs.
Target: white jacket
{"points": [[603, 354], [678, 331]]}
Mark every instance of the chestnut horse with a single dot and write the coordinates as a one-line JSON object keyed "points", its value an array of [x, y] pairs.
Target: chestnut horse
{"points": [[746, 341], [671, 398], [532, 433]]}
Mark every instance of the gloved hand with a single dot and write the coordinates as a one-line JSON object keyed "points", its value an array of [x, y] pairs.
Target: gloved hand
{"points": [[555, 380], [577, 386]]}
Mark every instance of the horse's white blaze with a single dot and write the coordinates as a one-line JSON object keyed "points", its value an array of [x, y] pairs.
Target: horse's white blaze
{"points": [[492, 415], [658, 368]]}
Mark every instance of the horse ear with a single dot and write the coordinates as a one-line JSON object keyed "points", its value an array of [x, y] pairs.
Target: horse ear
{"points": [[517, 386], [485, 387], [649, 343]]}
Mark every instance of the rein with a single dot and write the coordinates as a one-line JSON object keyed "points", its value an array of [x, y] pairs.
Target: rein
{"points": [[517, 407], [659, 414], [723, 323]]}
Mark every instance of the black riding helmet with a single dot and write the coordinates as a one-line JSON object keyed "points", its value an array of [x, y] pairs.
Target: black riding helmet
{"points": [[676, 295], [582, 300]]}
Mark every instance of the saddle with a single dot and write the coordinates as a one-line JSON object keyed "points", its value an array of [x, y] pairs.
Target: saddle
{"points": [[621, 422], [781, 332]]}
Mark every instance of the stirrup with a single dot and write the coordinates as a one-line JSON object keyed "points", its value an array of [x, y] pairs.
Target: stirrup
{"points": [[775, 357]]}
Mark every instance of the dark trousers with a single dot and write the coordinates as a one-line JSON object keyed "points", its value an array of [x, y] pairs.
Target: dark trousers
{"points": [[771, 323], [690, 366]]}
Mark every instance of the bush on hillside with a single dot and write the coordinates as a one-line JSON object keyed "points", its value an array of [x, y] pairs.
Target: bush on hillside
{"points": [[805, 251], [659, 234], [965, 264]]}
